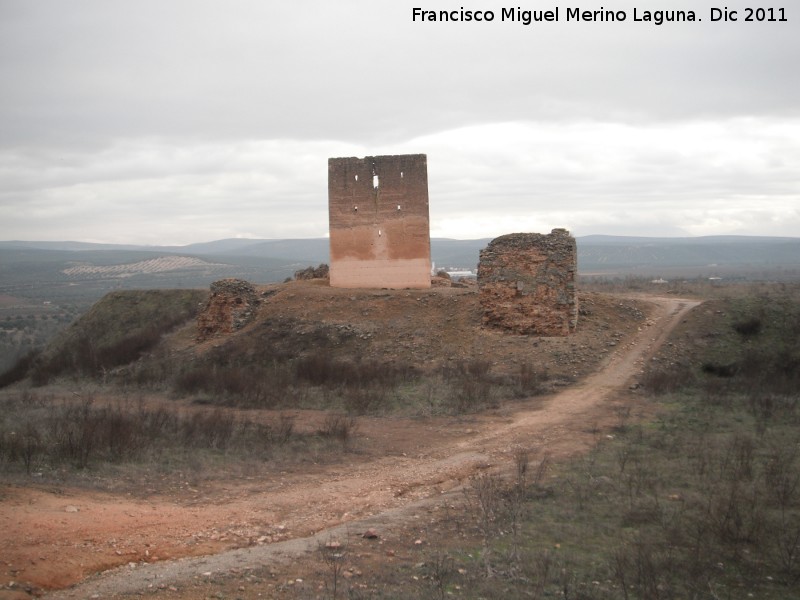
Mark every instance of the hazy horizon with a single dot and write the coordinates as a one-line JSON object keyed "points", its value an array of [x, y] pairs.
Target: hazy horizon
{"points": [[433, 238]]}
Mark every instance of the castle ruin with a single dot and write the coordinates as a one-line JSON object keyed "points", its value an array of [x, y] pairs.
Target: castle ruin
{"points": [[527, 283], [379, 223], [231, 305]]}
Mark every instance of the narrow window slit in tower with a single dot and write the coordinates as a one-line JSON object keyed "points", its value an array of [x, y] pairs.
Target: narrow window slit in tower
{"points": [[375, 182]]}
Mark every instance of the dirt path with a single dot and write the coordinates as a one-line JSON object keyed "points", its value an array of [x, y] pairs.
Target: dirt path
{"points": [[65, 538]]}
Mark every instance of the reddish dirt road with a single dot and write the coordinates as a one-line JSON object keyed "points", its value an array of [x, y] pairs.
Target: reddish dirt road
{"points": [[54, 539]]}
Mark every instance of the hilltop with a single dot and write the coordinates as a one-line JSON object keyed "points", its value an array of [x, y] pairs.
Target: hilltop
{"points": [[302, 330]]}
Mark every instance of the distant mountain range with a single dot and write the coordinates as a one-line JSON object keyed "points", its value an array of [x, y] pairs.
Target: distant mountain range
{"points": [[743, 254], [65, 269], [594, 251]]}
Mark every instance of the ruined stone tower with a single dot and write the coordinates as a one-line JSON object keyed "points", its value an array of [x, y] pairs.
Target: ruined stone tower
{"points": [[379, 224], [527, 283]]}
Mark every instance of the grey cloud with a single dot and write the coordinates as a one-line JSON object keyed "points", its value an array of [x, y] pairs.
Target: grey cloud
{"points": [[187, 120], [356, 70]]}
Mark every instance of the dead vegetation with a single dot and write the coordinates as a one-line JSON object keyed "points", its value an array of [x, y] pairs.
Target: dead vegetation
{"points": [[46, 435]]}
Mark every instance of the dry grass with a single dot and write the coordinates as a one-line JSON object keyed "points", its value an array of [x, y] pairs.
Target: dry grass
{"points": [[52, 435]]}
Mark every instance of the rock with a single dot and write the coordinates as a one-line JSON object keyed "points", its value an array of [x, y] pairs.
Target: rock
{"points": [[370, 534]]}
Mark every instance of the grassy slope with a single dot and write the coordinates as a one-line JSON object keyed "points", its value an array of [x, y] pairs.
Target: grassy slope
{"points": [[116, 330]]}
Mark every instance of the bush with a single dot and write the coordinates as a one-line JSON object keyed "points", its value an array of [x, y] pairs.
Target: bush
{"points": [[666, 380], [247, 386], [20, 369], [322, 370], [748, 327], [719, 370], [339, 427], [80, 434], [116, 331], [528, 380]]}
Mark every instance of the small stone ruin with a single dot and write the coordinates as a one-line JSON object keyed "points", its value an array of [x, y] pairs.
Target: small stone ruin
{"points": [[231, 306], [527, 283]]}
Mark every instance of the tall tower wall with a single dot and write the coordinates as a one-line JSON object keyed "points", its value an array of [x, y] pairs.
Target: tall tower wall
{"points": [[379, 222]]}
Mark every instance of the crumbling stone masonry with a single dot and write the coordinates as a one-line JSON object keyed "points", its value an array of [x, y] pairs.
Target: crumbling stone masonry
{"points": [[321, 272], [527, 283], [379, 223], [231, 306]]}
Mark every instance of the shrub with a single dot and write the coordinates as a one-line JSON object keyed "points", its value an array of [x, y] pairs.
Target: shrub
{"points": [[321, 369], [249, 386], [80, 434], [720, 370], [364, 399], [339, 427], [666, 380], [116, 331], [528, 380], [748, 327], [20, 369]]}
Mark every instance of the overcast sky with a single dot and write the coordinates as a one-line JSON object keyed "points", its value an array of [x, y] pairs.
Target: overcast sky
{"points": [[179, 121]]}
